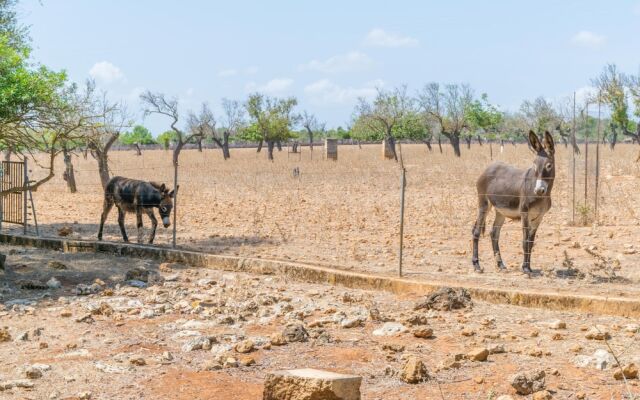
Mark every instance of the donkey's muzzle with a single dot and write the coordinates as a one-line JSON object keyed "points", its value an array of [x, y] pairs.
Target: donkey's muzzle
{"points": [[540, 188], [166, 222]]}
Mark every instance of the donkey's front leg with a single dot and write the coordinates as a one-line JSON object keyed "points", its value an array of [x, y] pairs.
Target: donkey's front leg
{"points": [[478, 229], [528, 236]]}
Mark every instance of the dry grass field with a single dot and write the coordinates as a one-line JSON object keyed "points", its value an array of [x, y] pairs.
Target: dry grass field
{"points": [[346, 213]]}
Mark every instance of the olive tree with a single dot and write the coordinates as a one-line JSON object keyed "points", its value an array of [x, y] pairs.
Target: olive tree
{"points": [[448, 107], [273, 119]]}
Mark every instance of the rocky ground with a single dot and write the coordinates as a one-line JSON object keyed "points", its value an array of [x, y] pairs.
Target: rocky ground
{"points": [[87, 326]]}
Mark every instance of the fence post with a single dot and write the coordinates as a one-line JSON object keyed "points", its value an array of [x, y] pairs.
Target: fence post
{"points": [[586, 154], [24, 194], [403, 184], [573, 173], [597, 159], [175, 202]]}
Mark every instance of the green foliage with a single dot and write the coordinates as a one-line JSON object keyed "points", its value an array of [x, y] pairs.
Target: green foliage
{"points": [[139, 135], [166, 138], [482, 115], [272, 117]]}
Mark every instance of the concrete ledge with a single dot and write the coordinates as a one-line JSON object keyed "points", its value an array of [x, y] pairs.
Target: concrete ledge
{"points": [[316, 274]]}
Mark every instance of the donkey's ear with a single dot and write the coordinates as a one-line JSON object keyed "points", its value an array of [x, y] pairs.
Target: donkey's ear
{"points": [[171, 193], [535, 142], [549, 146], [162, 188]]}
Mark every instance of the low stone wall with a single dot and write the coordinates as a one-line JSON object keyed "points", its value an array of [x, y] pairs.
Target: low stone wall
{"points": [[316, 274]]}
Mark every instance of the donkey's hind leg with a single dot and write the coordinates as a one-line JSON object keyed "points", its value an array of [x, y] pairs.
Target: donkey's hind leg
{"points": [[478, 229], [106, 208], [495, 239]]}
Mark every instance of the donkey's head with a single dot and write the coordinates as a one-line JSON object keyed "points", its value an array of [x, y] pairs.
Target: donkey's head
{"points": [[166, 204], [544, 166]]}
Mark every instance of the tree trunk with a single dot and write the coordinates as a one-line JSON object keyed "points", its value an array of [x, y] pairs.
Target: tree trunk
{"points": [[200, 145], [225, 145], [270, 146], [454, 139], [440, 143], [390, 146], [614, 139], [310, 138], [7, 154], [103, 168], [479, 140], [468, 140], [428, 143], [138, 150], [68, 174], [279, 144], [260, 145]]}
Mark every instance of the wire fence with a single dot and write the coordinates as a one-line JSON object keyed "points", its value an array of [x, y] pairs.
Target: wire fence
{"points": [[345, 213]]}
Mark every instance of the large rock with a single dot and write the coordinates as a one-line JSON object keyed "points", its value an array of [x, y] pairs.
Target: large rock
{"points": [[414, 371], [528, 382], [630, 371], [311, 384], [390, 329], [446, 299], [295, 333]]}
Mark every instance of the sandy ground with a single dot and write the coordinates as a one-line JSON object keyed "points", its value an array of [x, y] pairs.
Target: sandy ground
{"points": [[346, 213], [128, 343]]}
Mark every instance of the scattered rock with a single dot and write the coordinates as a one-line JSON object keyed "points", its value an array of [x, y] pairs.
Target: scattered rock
{"points": [[423, 333], [446, 299], [84, 290], [351, 322], [496, 349], [246, 346], [247, 361], [65, 231], [557, 324], [33, 372], [86, 318], [137, 361], [295, 333], [528, 382], [84, 396], [478, 354], [542, 395], [16, 383], [390, 329], [414, 371], [278, 339], [603, 359], [5, 336], [629, 371], [598, 332], [66, 313], [53, 283], [57, 265], [198, 343]]}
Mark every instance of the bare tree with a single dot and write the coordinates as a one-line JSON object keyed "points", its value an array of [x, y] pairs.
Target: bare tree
{"points": [[202, 124], [448, 108], [233, 121], [109, 120], [311, 124], [383, 114], [158, 103]]}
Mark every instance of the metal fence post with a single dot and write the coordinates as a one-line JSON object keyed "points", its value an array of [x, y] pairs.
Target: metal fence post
{"points": [[24, 194], [175, 202], [403, 184]]}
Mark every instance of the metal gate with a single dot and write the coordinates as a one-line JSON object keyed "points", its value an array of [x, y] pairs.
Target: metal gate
{"points": [[14, 208]]}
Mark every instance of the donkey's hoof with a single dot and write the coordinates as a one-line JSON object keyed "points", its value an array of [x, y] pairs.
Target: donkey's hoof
{"points": [[501, 266], [526, 269], [477, 267]]}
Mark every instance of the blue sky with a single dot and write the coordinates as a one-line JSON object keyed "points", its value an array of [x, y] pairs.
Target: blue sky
{"points": [[328, 53]]}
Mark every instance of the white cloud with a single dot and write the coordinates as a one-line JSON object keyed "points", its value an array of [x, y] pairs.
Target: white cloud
{"points": [[351, 61], [106, 72], [227, 72], [588, 39], [381, 38], [325, 91], [274, 86]]}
